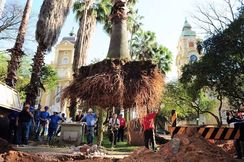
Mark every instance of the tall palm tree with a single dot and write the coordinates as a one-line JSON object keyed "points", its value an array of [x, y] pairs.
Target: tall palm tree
{"points": [[88, 13], [51, 19], [16, 51]]}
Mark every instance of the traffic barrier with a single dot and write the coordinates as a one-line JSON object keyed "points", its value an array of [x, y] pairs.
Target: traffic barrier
{"points": [[208, 132], [217, 133]]}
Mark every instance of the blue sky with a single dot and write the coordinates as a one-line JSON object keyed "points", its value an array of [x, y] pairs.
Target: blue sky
{"points": [[164, 17]]}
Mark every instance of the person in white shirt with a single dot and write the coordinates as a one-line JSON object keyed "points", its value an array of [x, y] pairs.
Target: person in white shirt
{"points": [[113, 128]]}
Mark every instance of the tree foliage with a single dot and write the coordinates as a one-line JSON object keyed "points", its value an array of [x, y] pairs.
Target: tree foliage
{"points": [[144, 46], [49, 74], [100, 8], [221, 68], [49, 77], [187, 102], [3, 66]]}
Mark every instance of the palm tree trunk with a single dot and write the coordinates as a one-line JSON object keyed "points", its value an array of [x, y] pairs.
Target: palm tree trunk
{"points": [[118, 47], [89, 28], [100, 127], [87, 24], [72, 108], [35, 82], [16, 51], [126, 111]]}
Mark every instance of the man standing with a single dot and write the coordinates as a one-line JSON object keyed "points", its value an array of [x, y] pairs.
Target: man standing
{"points": [[25, 117], [114, 126], [44, 116], [122, 125], [149, 129], [37, 113], [59, 127], [90, 119], [53, 125]]}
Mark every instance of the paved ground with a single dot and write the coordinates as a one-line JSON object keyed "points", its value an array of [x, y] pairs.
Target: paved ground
{"points": [[46, 150]]}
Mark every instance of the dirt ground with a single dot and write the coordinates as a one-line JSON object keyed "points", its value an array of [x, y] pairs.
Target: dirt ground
{"points": [[184, 148]]}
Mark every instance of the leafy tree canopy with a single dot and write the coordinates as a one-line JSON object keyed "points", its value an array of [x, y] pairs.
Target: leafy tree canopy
{"points": [[221, 68], [49, 75]]}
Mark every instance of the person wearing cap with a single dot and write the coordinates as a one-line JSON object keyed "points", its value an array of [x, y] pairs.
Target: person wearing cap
{"points": [[122, 124], [90, 119], [44, 116], [53, 125]]}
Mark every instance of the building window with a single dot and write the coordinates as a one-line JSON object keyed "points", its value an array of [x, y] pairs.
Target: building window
{"points": [[65, 60], [191, 44]]}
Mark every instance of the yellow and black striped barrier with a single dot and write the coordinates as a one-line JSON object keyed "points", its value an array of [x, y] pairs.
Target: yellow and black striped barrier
{"points": [[217, 133]]}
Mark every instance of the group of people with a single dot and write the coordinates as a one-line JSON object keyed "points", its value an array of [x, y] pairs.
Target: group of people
{"points": [[116, 126], [30, 122]]}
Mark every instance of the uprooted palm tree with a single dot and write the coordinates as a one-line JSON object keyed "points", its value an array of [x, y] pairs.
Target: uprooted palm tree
{"points": [[117, 82], [51, 19], [16, 51]]}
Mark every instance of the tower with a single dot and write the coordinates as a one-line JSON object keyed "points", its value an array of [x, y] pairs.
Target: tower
{"points": [[187, 48], [63, 60]]}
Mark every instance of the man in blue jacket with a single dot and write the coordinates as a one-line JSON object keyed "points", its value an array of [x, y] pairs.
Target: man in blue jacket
{"points": [[53, 125]]}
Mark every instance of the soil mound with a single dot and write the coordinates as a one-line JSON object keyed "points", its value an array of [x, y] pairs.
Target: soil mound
{"points": [[12, 156], [190, 147]]}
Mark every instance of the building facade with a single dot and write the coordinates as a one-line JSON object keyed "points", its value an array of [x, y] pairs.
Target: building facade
{"points": [[187, 48], [63, 59]]}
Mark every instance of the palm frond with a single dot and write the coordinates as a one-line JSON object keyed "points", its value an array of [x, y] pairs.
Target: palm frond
{"points": [[51, 19]]}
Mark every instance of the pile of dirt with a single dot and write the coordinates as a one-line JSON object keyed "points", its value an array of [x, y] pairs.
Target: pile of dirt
{"points": [[12, 156], [227, 146], [190, 147]]}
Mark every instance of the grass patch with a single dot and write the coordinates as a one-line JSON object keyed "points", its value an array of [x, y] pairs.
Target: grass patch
{"points": [[120, 147]]}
